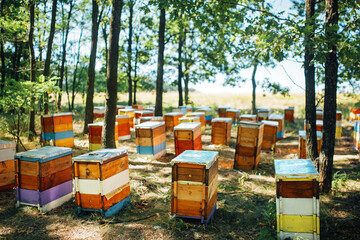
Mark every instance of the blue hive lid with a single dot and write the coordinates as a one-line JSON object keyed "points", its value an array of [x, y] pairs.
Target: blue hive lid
{"points": [[295, 168], [43, 154], [100, 155], [206, 158]]}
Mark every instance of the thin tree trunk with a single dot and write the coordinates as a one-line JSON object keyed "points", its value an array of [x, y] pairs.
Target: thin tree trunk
{"points": [[105, 37], [135, 67], [32, 132], [129, 52], [67, 87], [76, 68], [180, 73], [331, 75], [160, 67], [253, 102], [2, 55], [108, 136], [187, 74]]}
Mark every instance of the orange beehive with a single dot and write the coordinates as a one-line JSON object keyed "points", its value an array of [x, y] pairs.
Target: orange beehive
{"points": [[172, 120], [247, 117], [353, 113], [187, 137], [269, 136], [281, 128], [58, 129], [130, 113], [95, 135], [151, 138], [123, 127], [208, 113], [99, 112], [302, 143], [201, 115], [234, 114], [338, 130], [319, 125], [289, 114], [222, 111], [262, 113], [248, 145], [7, 165], [137, 107], [142, 113], [221, 131]]}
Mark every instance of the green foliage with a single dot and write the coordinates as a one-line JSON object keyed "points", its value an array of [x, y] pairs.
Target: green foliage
{"points": [[339, 180]]}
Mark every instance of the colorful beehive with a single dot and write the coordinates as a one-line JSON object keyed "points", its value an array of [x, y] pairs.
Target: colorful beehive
{"points": [[102, 181], [248, 145], [289, 114], [281, 127], [187, 137], [319, 115], [95, 135], [44, 177], [234, 115], [123, 127], [222, 111], [58, 129], [189, 119], [247, 117], [130, 113], [353, 113], [142, 113], [262, 113], [7, 165], [137, 107], [201, 115], [194, 185], [172, 120], [208, 113], [338, 130], [269, 135], [98, 112], [297, 199], [302, 143], [151, 138], [157, 119], [356, 135], [221, 131], [187, 109]]}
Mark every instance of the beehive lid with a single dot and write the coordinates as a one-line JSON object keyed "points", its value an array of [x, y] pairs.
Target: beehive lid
{"points": [[149, 125], [319, 113], [7, 144], [186, 107], [188, 126], [295, 168], [263, 110], [319, 122], [120, 106], [302, 134], [127, 110], [146, 118], [100, 155], [276, 117], [58, 115], [149, 109], [290, 108], [247, 116], [122, 116], [97, 124], [189, 118], [233, 110], [250, 124], [223, 107], [43, 154], [157, 119], [206, 158], [144, 112], [204, 108], [222, 119], [173, 114], [319, 109], [99, 109], [270, 123], [194, 114], [338, 112]]}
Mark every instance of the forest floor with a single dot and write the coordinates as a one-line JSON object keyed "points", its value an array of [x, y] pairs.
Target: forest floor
{"points": [[245, 205]]}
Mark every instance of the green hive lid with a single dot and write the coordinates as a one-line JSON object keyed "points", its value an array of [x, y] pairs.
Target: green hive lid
{"points": [[206, 158], [7, 144], [44, 154], [100, 155], [295, 168]]}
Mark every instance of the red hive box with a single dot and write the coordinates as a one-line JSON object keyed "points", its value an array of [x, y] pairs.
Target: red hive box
{"points": [[187, 137]]}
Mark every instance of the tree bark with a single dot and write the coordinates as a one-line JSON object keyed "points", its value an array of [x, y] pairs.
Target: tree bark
{"points": [[180, 73], [135, 67], [75, 70], [160, 67], [253, 102], [108, 136], [129, 52], [32, 132], [2, 55], [331, 75], [187, 74]]}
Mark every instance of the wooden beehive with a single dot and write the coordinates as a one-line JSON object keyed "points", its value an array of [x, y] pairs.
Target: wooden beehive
{"points": [[44, 177], [142, 113], [221, 131], [7, 165], [248, 145], [130, 113], [297, 199], [319, 125], [289, 114], [187, 137], [186, 109], [172, 120], [234, 115], [281, 127], [269, 135], [208, 113], [302, 143], [262, 113], [101, 181], [151, 138], [152, 109], [98, 112], [123, 126], [189, 119], [247, 117], [57, 129], [353, 113], [137, 107], [338, 131], [201, 115], [145, 119], [356, 135], [319, 115], [194, 185], [95, 135], [157, 119], [222, 111]]}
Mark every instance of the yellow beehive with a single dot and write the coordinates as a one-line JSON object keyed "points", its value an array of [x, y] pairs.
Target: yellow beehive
{"points": [[130, 113], [201, 115], [189, 119], [338, 130], [95, 135]]}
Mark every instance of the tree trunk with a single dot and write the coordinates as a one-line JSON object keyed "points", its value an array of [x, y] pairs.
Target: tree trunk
{"points": [[67, 87], [180, 73], [2, 55], [129, 53], [160, 67], [187, 75], [331, 75], [75, 70], [48, 52], [32, 132], [108, 136], [135, 67], [105, 37], [253, 102], [89, 115]]}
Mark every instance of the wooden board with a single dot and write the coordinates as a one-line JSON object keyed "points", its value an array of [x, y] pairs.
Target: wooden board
{"points": [[297, 189], [298, 206]]}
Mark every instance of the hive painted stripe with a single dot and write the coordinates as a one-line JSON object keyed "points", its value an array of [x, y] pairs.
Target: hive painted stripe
{"points": [[58, 135], [56, 203], [297, 206], [299, 223], [151, 149]]}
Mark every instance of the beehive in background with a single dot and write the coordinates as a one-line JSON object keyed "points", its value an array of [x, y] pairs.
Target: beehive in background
{"points": [[123, 126], [222, 111], [302, 143], [338, 131], [130, 113], [189, 119], [157, 119], [152, 109], [7, 165], [247, 117], [234, 115], [248, 145], [281, 128], [201, 115], [98, 112], [356, 135], [58, 129], [194, 185], [102, 181], [221, 131], [289, 114], [145, 119], [44, 177], [208, 113], [185, 109], [187, 137], [151, 138], [319, 125], [142, 113], [262, 113], [172, 120], [297, 199], [353, 113], [95, 135], [269, 135], [319, 114], [137, 107]]}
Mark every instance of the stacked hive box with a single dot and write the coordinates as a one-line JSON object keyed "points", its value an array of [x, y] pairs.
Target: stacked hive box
{"points": [[234, 115], [145, 119], [137, 107], [289, 114], [151, 138], [130, 113], [356, 135], [262, 114], [221, 131], [302, 143], [123, 127], [7, 165], [338, 130], [222, 111], [150, 109], [44, 177], [98, 112], [247, 117], [189, 119], [194, 185], [58, 128], [142, 113], [281, 127], [201, 115], [172, 120], [269, 136], [95, 135], [208, 114], [102, 181], [353, 113], [297, 199], [319, 115], [187, 137], [248, 145]]}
